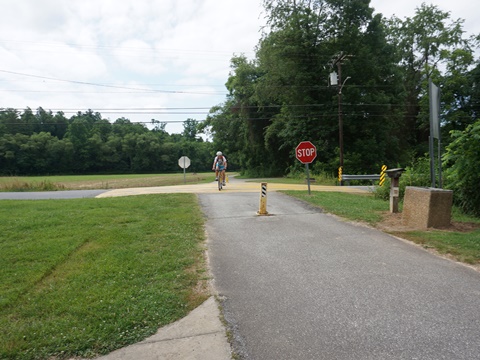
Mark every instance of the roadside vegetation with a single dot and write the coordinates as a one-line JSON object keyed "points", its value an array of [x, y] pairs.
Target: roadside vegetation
{"points": [[86, 276], [93, 182]]}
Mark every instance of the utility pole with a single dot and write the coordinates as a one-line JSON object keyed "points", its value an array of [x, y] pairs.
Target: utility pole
{"points": [[338, 61]]}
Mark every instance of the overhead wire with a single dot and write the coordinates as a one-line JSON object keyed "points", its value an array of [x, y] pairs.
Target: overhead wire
{"points": [[103, 85], [143, 90]]}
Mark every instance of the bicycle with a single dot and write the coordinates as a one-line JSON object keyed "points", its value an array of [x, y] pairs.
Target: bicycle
{"points": [[221, 180]]}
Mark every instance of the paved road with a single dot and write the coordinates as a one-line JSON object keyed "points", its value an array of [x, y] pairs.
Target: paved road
{"points": [[300, 284], [235, 185], [43, 195]]}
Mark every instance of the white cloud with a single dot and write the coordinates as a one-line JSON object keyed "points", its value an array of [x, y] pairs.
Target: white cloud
{"points": [[179, 48], [140, 57]]}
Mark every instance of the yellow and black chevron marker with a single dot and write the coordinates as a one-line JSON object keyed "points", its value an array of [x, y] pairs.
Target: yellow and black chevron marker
{"points": [[382, 175], [340, 173]]}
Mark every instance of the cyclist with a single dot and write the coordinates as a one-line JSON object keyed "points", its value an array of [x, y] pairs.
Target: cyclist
{"points": [[220, 165]]}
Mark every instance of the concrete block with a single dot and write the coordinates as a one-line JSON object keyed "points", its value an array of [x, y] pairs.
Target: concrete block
{"points": [[427, 207]]}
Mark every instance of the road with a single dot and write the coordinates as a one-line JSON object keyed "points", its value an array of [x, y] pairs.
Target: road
{"points": [[301, 284], [47, 195], [233, 186]]}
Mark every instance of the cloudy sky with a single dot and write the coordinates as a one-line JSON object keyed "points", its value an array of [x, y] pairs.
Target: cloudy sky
{"points": [[142, 59]]}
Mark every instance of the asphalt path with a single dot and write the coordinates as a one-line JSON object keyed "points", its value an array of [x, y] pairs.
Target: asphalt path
{"points": [[301, 284], [47, 195]]}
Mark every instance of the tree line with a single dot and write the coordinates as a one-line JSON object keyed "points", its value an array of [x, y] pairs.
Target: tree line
{"points": [[283, 95], [40, 142]]}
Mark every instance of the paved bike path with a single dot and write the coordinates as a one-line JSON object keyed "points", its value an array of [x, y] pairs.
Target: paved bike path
{"points": [[301, 284], [234, 185]]}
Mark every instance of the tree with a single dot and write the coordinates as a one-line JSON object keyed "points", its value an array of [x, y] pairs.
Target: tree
{"points": [[282, 98], [8, 151], [60, 125], [29, 121], [428, 46], [462, 161], [123, 126], [78, 133], [460, 93], [8, 121], [190, 129], [60, 156]]}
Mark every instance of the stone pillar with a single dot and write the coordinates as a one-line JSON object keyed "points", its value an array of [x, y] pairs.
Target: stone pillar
{"points": [[427, 207]]}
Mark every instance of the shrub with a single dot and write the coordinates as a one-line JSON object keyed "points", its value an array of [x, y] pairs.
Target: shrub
{"points": [[462, 163], [417, 174]]}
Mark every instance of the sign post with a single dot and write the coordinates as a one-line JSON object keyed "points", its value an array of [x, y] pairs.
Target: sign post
{"points": [[306, 152], [184, 162], [434, 94]]}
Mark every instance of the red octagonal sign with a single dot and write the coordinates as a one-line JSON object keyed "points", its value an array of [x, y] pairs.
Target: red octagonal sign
{"points": [[306, 152]]}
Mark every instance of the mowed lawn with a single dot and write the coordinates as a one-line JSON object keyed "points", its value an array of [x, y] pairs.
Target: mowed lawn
{"points": [[85, 276]]}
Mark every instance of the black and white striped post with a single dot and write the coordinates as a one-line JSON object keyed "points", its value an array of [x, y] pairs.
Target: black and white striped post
{"points": [[263, 200]]}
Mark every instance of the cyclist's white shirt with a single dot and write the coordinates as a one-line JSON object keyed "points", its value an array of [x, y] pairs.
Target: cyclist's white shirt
{"points": [[224, 161]]}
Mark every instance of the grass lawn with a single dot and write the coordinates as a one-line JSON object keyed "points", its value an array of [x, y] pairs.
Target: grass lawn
{"points": [[86, 276], [365, 208]]}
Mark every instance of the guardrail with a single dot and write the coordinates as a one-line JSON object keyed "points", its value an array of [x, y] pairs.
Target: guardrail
{"points": [[371, 177]]}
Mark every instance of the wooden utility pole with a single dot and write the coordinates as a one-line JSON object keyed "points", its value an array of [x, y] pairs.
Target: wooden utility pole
{"points": [[338, 61]]}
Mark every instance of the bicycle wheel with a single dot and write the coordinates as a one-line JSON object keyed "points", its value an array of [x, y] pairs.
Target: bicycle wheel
{"points": [[220, 184]]}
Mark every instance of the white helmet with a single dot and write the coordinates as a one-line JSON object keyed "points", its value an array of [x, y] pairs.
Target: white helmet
{"points": [[219, 153]]}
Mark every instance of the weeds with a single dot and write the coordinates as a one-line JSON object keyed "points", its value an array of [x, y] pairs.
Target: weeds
{"points": [[19, 186]]}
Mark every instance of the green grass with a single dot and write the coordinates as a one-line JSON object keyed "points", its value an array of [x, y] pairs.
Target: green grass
{"points": [[464, 247], [462, 242], [299, 178], [83, 277], [83, 182], [365, 208]]}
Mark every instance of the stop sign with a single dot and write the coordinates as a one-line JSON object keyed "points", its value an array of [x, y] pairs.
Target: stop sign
{"points": [[306, 152], [184, 162]]}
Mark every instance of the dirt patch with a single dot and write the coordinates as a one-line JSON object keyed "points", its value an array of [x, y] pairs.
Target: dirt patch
{"points": [[394, 223]]}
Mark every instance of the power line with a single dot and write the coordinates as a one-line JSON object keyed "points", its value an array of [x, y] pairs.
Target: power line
{"points": [[105, 85]]}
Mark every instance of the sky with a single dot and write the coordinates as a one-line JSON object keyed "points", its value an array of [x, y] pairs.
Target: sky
{"points": [[166, 60]]}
